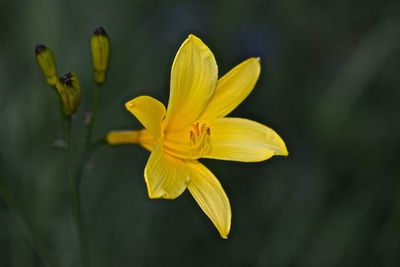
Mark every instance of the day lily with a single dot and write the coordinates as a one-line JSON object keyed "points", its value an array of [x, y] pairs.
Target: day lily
{"points": [[194, 126]]}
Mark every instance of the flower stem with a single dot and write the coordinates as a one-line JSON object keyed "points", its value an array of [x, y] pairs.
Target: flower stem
{"points": [[75, 194], [89, 146], [95, 106]]}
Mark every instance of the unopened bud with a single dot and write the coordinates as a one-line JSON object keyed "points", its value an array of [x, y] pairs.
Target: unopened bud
{"points": [[100, 47], [47, 62], [69, 90]]}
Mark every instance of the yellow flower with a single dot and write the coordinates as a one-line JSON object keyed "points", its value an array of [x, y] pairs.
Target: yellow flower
{"points": [[194, 126]]}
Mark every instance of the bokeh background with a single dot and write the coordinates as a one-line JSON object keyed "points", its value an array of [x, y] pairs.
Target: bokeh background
{"points": [[330, 86]]}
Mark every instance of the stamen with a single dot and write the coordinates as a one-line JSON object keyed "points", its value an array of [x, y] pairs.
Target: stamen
{"points": [[192, 138], [200, 139]]}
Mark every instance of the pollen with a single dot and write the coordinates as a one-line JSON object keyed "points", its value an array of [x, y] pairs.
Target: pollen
{"points": [[200, 139]]}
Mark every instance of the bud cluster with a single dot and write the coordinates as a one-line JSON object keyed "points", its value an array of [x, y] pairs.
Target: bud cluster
{"points": [[67, 85]]}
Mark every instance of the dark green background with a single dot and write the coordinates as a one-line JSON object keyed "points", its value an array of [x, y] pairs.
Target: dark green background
{"points": [[330, 86]]}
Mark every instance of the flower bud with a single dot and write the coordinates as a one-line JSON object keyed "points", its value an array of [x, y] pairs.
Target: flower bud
{"points": [[69, 90], [100, 47], [46, 60]]}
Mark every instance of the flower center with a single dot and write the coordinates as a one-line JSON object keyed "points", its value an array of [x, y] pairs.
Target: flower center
{"points": [[200, 139]]}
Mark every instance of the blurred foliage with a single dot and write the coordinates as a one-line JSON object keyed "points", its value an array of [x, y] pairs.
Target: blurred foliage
{"points": [[330, 86]]}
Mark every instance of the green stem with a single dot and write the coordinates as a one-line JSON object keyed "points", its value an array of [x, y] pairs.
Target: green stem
{"points": [[75, 194], [23, 222], [95, 106], [89, 147]]}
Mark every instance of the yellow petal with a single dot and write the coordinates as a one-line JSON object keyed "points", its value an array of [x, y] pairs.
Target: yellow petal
{"points": [[149, 111], [194, 76], [165, 176], [209, 194], [233, 88], [143, 137], [242, 140]]}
